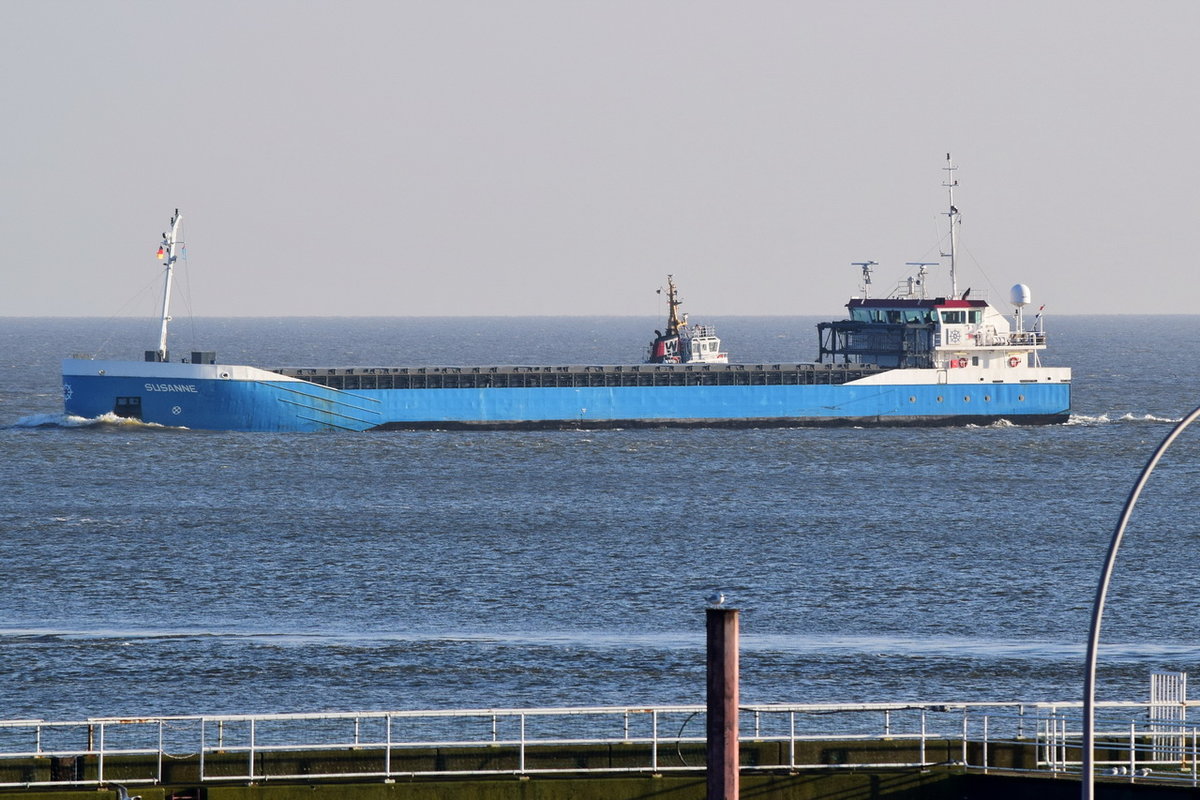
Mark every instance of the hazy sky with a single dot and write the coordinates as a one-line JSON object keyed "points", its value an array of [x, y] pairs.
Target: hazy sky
{"points": [[512, 158]]}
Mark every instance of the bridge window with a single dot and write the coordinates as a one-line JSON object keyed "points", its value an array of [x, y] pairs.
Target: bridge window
{"points": [[954, 317]]}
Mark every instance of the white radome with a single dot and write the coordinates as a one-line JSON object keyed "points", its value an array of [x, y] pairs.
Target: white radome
{"points": [[1020, 295]]}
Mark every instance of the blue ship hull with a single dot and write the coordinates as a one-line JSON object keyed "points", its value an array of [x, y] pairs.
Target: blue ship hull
{"points": [[247, 399]]}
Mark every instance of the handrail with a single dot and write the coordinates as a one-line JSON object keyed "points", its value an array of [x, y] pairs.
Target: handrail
{"points": [[244, 743]]}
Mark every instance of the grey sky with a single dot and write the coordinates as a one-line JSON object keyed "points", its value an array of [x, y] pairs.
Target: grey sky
{"points": [[514, 158]]}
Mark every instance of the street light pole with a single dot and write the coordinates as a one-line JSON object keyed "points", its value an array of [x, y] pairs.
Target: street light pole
{"points": [[1088, 780]]}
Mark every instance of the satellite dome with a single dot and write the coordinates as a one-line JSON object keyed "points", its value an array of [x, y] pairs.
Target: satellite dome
{"points": [[1020, 295]]}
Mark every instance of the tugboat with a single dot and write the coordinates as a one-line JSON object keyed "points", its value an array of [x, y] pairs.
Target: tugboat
{"points": [[680, 343]]}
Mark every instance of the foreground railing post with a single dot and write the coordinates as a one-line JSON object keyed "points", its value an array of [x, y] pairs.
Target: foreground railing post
{"points": [[521, 767], [792, 742], [985, 744], [1051, 749], [100, 758], [654, 740], [1132, 749], [923, 736], [387, 754], [964, 738], [722, 751]]}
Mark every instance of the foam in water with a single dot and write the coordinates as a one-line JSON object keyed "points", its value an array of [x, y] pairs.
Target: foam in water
{"points": [[70, 421], [1105, 419], [52, 421]]}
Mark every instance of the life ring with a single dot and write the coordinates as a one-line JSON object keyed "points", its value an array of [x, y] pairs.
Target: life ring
{"points": [[962, 362], [1014, 362]]}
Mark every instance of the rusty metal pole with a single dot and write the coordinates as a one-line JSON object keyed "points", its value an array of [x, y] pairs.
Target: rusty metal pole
{"points": [[722, 750]]}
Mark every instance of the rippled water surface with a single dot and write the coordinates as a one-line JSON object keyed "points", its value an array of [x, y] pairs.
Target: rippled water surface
{"points": [[160, 571]]}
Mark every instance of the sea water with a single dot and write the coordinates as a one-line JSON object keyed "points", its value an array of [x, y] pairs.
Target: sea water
{"points": [[156, 571]]}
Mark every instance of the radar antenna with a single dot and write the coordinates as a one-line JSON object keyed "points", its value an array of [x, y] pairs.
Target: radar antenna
{"points": [[919, 280], [955, 220], [866, 275]]}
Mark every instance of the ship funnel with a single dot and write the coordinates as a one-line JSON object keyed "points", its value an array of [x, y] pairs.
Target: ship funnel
{"points": [[1020, 295]]}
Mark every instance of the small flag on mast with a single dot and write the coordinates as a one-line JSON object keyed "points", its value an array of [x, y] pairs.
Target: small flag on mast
{"points": [[162, 253]]}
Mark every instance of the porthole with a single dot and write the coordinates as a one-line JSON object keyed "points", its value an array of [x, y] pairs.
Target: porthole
{"points": [[966, 398], [1021, 398], [987, 398], [912, 399], [939, 398]]}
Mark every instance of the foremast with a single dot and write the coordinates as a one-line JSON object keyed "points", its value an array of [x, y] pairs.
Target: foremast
{"points": [[166, 252], [955, 220], [673, 303]]}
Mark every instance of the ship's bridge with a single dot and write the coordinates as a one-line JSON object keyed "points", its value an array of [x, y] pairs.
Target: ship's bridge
{"points": [[891, 332], [893, 311], [927, 332]]}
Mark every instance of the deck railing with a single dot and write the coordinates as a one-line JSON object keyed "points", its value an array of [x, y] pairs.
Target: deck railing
{"points": [[1036, 738]]}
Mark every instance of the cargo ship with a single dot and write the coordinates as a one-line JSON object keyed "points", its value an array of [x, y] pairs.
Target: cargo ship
{"points": [[903, 359]]}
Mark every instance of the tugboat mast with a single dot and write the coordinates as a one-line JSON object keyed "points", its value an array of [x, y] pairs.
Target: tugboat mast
{"points": [[950, 183], [673, 302], [166, 251]]}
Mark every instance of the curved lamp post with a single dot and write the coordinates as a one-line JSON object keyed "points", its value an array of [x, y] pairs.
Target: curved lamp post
{"points": [[1087, 784]]}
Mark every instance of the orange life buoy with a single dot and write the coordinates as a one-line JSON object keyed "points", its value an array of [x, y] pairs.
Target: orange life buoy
{"points": [[962, 362], [1014, 362]]}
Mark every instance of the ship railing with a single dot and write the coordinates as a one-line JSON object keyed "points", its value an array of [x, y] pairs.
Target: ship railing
{"points": [[1011, 339], [1034, 738], [1027, 339]]}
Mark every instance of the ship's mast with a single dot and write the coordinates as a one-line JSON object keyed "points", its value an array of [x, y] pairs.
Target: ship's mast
{"points": [[950, 183], [166, 251], [673, 302]]}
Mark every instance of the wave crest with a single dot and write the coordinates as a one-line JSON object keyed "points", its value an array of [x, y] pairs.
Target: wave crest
{"points": [[109, 420], [1105, 419]]}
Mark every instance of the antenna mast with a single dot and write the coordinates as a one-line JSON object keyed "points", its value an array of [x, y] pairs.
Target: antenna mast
{"points": [[866, 275], [921, 273], [673, 303], [950, 183], [166, 251]]}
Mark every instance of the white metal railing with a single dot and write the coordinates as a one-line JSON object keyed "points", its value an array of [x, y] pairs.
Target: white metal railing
{"points": [[1046, 736], [1027, 338]]}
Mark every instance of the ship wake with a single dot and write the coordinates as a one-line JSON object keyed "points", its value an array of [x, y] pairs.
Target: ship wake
{"points": [[1128, 418], [104, 421]]}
